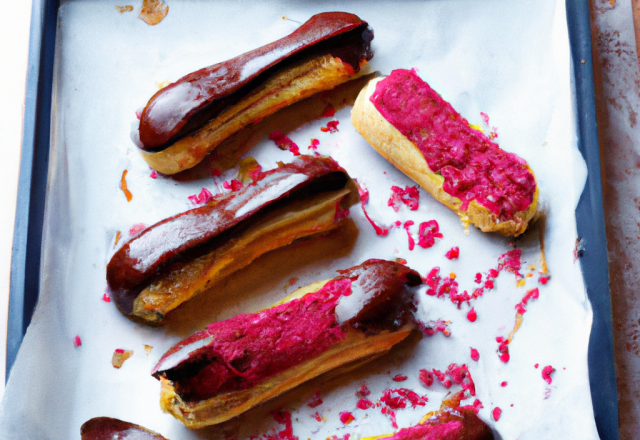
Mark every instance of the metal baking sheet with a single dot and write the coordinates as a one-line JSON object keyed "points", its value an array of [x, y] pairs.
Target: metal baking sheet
{"points": [[36, 148]]}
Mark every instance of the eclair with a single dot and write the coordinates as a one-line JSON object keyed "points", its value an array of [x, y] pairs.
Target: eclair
{"points": [[189, 118], [420, 133], [461, 424], [107, 428], [173, 260], [329, 326]]}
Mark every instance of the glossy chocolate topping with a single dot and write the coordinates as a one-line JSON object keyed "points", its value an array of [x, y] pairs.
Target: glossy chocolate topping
{"points": [[106, 428], [197, 231], [243, 351], [198, 97], [378, 299]]}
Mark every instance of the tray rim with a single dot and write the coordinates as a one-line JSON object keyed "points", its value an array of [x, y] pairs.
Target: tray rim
{"points": [[27, 238], [32, 180]]}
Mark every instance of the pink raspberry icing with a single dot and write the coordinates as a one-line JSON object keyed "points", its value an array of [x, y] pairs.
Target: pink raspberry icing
{"points": [[473, 167]]}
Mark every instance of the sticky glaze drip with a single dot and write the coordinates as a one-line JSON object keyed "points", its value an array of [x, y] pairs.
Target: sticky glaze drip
{"points": [[473, 167]]}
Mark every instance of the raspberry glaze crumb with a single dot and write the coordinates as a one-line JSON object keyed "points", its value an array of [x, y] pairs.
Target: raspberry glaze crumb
{"points": [[453, 253]]}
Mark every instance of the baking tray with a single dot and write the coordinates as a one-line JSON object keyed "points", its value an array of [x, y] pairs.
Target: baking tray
{"points": [[25, 273]]}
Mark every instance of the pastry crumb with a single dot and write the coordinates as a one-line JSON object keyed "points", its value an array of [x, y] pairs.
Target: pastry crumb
{"points": [[153, 11], [119, 356]]}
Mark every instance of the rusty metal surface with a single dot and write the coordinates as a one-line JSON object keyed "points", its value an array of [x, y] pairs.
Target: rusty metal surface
{"points": [[617, 82]]}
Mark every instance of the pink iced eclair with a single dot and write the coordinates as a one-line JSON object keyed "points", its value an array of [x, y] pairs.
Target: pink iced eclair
{"points": [[410, 125]]}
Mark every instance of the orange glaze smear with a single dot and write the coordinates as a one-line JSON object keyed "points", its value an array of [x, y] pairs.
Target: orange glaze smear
{"points": [[153, 11], [123, 186]]}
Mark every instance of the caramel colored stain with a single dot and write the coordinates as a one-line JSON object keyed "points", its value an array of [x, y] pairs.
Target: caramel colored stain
{"points": [[123, 186], [153, 11]]}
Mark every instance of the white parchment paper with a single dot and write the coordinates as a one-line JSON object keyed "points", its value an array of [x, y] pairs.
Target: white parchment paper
{"points": [[507, 59]]}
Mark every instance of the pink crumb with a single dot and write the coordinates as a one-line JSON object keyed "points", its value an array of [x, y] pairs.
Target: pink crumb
{"points": [[497, 412], [77, 342], [364, 404], [427, 233], [364, 391], [472, 316], [106, 298], [234, 185], [475, 355], [426, 377], [284, 142], [204, 197], [314, 144], [453, 253], [546, 373], [332, 127], [399, 378], [503, 384], [409, 196], [315, 400], [154, 174], [136, 228], [407, 225], [346, 417], [328, 111]]}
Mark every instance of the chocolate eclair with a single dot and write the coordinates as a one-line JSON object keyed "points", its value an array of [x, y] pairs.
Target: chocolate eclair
{"points": [[329, 326], [107, 428], [190, 117], [168, 263]]}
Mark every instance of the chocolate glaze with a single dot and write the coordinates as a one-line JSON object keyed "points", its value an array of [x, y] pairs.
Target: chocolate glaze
{"points": [[386, 303], [186, 236], [106, 428], [230, 355], [198, 97]]}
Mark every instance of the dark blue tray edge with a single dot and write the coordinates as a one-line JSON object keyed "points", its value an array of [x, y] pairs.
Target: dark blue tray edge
{"points": [[591, 227], [25, 263], [32, 183]]}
